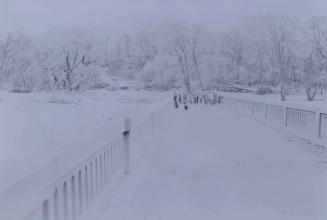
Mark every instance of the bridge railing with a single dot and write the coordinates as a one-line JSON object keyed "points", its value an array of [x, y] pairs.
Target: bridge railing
{"points": [[66, 194], [275, 114], [323, 126], [301, 120]]}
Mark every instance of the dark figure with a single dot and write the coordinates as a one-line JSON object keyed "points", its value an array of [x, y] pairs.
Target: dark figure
{"points": [[185, 106], [215, 98], [175, 101], [185, 101], [180, 98], [184, 97]]}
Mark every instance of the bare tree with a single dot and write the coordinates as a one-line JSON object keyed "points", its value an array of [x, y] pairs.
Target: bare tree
{"points": [[233, 49], [279, 41], [7, 53], [181, 52], [313, 51], [318, 36], [311, 85], [72, 62], [195, 53]]}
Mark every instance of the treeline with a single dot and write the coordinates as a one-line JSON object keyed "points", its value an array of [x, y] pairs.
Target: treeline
{"points": [[277, 52]]}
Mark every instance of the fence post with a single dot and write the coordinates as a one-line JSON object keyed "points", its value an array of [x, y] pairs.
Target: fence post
{"points": [[126, 135], [45, 210], [286, 116], [243, 106], [152, 124], [238, 105], [266, 111], [319, 115]]}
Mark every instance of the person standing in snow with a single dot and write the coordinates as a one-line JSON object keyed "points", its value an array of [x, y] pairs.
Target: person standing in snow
{"points": [[215, 97], [185, 105], [180, 98], [219, 99], [185, 101], [184, 97], [206, 98], [175, 101]]}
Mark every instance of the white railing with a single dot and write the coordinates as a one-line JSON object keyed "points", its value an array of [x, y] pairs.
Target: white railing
{"points": [[300, 120], [259, 109], [323, 126], [50, 195], [275, 114], [247, 107]]}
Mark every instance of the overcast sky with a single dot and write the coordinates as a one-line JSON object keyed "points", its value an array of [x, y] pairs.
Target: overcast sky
{"points": [[39, 16]]}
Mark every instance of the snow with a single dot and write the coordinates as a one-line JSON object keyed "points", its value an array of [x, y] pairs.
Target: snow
{"points": [[35, 128], [210, 163]]}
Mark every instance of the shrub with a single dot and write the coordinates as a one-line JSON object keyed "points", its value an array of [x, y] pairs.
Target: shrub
{"points": [[21, 90], [263, 90]]}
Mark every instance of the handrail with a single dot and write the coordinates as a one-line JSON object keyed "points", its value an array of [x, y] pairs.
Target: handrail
{"points": [[304, 110], [55, 194], [308, 121]]}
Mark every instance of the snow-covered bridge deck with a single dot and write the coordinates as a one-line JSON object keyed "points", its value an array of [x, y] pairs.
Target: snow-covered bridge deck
{"points": [[210, 163]]}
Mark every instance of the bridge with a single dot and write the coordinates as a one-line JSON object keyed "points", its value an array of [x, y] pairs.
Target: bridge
{"points": [[239, 159]]}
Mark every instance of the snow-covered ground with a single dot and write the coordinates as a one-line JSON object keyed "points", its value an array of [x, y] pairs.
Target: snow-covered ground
{"points": [[36, 127], [210, 163]]}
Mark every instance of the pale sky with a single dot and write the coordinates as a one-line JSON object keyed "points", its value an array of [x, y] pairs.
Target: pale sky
{"points": [[39, 16]]}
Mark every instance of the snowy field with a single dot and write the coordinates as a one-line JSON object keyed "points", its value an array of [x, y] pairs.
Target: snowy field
{"points": [[211, 163], [35, 127]]}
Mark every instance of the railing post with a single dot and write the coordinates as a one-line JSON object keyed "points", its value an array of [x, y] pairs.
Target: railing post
{"points": [[127, 144], [286, 116], [243, 107], [237, 105], [319, 115], [152, 124], [45, 210]]}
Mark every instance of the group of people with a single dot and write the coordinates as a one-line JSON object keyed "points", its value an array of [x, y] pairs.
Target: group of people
{"points": [[206, 97]]}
